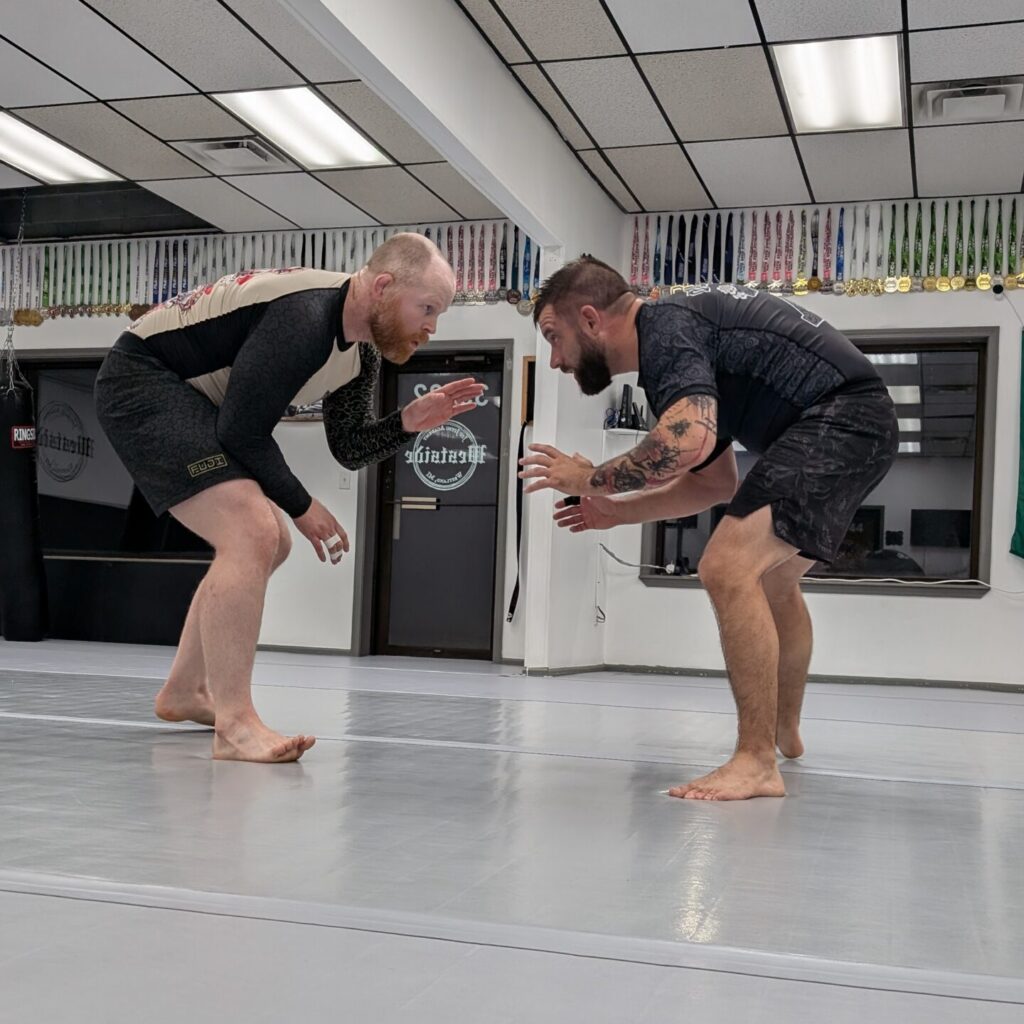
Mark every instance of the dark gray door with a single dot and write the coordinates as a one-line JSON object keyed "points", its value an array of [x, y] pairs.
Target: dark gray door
{"points": [[438, 519]]}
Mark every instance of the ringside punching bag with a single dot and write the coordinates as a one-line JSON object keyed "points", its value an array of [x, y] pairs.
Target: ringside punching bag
{"points": [[22, 579]]}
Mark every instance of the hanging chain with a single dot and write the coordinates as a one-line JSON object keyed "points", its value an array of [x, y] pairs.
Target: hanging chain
{"points": [[12, 374]]}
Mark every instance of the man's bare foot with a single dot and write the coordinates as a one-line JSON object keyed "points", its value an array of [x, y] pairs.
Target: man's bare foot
{"points": [[787, 739], [742, 777], [177, 704], [250, 740]]}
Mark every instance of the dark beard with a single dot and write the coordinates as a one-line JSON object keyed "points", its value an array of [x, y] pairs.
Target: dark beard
{"points": [[386, 333], [592, 373]]}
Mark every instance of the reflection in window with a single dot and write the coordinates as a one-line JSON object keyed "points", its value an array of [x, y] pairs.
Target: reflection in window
{"points": [[920, 523]]}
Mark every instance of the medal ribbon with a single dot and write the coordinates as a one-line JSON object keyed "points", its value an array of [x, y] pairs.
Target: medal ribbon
{"points": [[777, 262], [931, 244], [918, 242], [814, 244], [536, 273], [741, 262], [634, 261], [657, 252], [790, 229], [970, 245], [959, 252], [827, 245], [840, 247], [802, 265], [471, 280], [1013, 237], [999, 238], [503, 256], [905, 247], [515, 259], [892, 243], [492, 273], [451, 253], [527, 258], [667, 270], [481, 261], [460, 272], [865, 265], [945, 242], [984, 241], [645, 274], [881, 243], [767, 247]]}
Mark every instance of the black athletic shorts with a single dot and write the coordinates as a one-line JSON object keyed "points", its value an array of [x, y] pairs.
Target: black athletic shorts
{"points": [[163, 430], [819, 470]]}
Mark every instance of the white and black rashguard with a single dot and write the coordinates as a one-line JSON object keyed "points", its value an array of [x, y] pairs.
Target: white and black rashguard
{"points": [[255, 343]]}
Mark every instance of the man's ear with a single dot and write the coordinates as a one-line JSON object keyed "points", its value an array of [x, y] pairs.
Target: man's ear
{"points": [[380, 283], [590, 318]]}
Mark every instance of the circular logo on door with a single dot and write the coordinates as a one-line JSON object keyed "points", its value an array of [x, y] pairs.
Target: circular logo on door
{"points": [[61, 442], [445, 457]]}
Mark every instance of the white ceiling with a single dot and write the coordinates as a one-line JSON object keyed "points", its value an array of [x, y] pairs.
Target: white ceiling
{"points": [[669, 104]]}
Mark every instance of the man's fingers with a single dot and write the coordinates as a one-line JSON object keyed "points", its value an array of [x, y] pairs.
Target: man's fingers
{"points": [[464, 382], [536, 460], [545, 449], [530, 474], [318, 549], [538, 486]]}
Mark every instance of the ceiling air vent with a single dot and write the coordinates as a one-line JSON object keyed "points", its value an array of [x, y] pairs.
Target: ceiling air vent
{"points": [[989, 99], [235, 156]]}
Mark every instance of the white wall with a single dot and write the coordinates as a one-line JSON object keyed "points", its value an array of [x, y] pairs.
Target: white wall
{"points": [[903, 636]]}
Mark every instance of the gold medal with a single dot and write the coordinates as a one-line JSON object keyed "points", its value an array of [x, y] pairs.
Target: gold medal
{"points": [[800, 286], [970, 284], [655, 294], [957, 283], [944, 284], [904, 284], [814, 284], [930, 284], [984, 282], [1010, 284]]}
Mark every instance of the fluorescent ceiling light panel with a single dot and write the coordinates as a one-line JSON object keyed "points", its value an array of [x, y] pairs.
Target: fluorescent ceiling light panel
{"points": [[910, 447], [37, 154], [842, 84], [905, 394], [910, 426], [305, 127], [893, 358]]}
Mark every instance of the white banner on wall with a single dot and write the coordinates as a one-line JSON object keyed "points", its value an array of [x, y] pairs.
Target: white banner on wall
{"points": [[76, 461]]}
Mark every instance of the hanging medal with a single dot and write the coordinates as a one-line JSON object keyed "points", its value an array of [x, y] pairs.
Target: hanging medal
{"points": [[491, 295], [957, 281], [728, 266], [1019, 255], [705, 243], [502, 264], [741, 256], [1012, 281], [460, 272], [931, 282], [634, 257], [514, 294], [524, 306], [535, 287], [853, 285], [716, 251], [944, 283], [840, 255], [787, 287], [916, 280], [827, 287], [679, 270], [776, 285], [645, 261], [905, 283], [471, 267], [985, 278], [814, 282], [656, 290], [666, 269], [481, 266], [970, 281], [998, 280], [691, 253], [878, 282], [766, 258], [891, 283]]}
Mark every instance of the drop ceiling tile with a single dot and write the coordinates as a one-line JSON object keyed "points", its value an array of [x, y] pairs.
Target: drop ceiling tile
{"points": [[610, 98], [25, 82], [391, 194], [78, 43], [10, 178], [858, 165], [750, 172], [371, 115], [660, 177], [611, 181], [203, 41], [456, 191], [290, 38], [219, 204], [941, 13], [826, 19], [182, 117], [984, 52], [949, 160], [717, 94], [111, 140], [562, 31], [302, 199], [545, 94], [497, 31], [652, 25]]}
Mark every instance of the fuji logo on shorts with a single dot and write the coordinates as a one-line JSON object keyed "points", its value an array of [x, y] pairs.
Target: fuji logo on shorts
{"points": [[23, 437], [217, 461]]}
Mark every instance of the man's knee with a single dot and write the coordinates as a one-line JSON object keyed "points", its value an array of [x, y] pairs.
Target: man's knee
{"points": [[722, 569], [284, 543]]}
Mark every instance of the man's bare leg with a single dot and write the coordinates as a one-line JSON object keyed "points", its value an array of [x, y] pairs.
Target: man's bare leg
{"points": [[186, 696], [739, 554], [238, 521], [793, 624]]}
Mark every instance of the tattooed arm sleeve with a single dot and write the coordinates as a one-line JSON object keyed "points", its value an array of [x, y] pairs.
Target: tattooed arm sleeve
{"points": [[354, 434], [681, 440]]}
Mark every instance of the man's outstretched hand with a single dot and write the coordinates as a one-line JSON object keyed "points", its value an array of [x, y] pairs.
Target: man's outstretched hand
{"points": [[548, 467], [437, 407], [596, 513]]}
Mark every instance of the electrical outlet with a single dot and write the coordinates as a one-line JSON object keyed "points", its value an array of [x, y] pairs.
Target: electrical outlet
{"points": [[344, 479]]}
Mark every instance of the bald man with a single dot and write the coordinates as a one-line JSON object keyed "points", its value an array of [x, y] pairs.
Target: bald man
{"points": [[189, 397]]}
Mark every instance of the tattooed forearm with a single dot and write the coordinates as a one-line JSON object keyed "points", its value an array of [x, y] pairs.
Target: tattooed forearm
{"points": [[672, 447]]}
